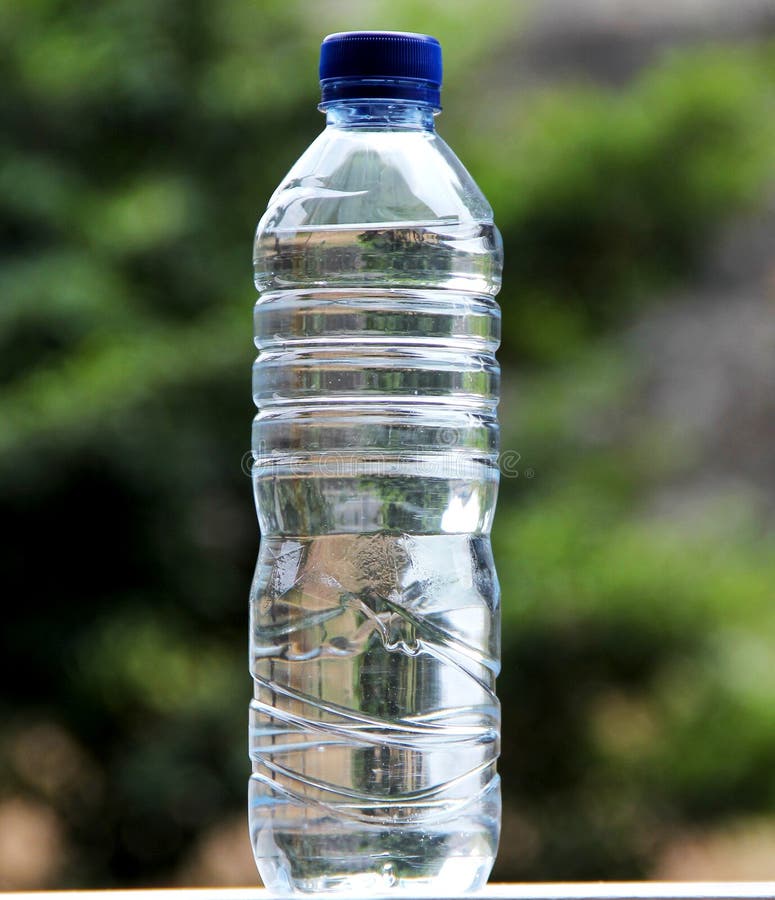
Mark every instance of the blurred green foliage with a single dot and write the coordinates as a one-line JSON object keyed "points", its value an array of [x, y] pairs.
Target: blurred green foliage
{"points": [[604, 199], [140, 142]]}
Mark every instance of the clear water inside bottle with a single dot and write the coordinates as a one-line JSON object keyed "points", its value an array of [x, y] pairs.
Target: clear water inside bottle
{"points": [[374, 726]]}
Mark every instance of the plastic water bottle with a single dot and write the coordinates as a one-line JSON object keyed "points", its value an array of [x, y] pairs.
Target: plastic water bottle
{"points": [[374, 635]]}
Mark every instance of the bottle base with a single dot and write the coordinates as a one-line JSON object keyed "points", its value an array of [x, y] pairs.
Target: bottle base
{"points": [[453, 880], [386, 884], [393, 864]]}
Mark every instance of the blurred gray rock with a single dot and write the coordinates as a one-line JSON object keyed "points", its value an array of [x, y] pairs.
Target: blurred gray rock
{"points": [[611, 40], [708, 377]]}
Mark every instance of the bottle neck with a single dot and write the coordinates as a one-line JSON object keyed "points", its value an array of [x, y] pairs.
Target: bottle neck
{"points": [[380, 115]]}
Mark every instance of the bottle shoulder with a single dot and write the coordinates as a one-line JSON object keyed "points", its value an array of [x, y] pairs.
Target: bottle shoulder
{"points": [[382, 209], [351, 177]]}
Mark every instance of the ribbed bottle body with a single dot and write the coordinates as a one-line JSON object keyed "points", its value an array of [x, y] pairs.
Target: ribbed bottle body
{"points": [[374, 608]]}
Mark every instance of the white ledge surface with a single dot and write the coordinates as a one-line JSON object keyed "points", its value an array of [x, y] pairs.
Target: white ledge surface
{"points": [[600, 890]]}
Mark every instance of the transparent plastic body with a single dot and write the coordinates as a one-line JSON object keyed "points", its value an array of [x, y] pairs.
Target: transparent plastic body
{"points": [[374, 634]]}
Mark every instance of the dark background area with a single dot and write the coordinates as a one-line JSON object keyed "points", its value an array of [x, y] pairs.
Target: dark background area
{"points": [[627, 152]]}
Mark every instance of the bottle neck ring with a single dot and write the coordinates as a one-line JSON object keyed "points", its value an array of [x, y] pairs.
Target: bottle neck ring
{"points": [[411, 90]]}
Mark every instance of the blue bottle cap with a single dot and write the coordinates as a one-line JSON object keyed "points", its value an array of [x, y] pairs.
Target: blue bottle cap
{"points": [[392, 65]]}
